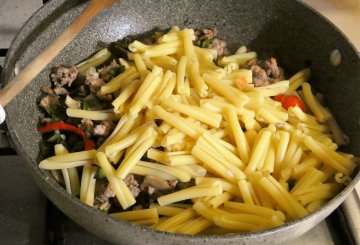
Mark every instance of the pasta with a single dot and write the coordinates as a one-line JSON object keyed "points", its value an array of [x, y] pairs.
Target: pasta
{"points": [[208, 148]]}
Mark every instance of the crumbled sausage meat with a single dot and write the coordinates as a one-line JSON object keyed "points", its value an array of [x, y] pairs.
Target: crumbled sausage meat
{"points": [[87, 125], [103, 191], [104, 128], [47, 89], [64, 75], [58, 90], [93, 80], [260, 77], [209, 34], [154, 185], [132, 184], [220, 47], [272, 69], [264, 74], [104, 72], [49, 103]]}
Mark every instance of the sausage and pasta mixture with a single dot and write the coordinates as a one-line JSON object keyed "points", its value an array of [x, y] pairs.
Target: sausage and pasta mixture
{"points": [[174, 132]]}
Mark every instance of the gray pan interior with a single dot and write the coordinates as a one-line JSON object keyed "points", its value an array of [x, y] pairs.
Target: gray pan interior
{"points": [[287, 29]]}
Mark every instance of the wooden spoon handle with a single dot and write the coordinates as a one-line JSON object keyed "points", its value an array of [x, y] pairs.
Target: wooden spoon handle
{"points": [[50, 52]]}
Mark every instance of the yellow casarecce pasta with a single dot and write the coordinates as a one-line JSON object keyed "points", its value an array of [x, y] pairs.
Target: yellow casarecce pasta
{"points": [[264, 165]]}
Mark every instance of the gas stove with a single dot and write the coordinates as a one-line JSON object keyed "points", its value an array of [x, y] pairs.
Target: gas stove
{"points": [[27, 217]]}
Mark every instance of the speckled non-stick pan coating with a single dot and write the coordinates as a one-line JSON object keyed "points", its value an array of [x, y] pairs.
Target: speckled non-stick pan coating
{"points": [[287, 29]]}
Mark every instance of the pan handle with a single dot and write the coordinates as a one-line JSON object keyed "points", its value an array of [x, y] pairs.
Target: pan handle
{"points": [[6, 147]]}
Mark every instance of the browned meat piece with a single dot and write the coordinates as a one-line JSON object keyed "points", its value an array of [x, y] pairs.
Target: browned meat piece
{"points": [[220, 46], [58, 90], [272, 69], [259, 76], [82, 91], [45, 120], [47, 90], [93, 80], [153, 184], [204, 34], [104, 128], [87, 125], [104, 72], [49, 103], [64, 75], [264, 73], [209, 33], [132, 184], [173, 183], [103, 191]]}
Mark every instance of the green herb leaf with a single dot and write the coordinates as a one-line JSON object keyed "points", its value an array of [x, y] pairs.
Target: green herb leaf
{"points": [[116, 71], [54, 138], [88, 105], [206, 43], [99, 174]]}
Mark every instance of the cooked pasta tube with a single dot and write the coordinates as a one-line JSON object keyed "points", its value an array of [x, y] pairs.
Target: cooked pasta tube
{"points": [[228, 187], [90, 194], [319, 111], [255, 209], [183, 176], [125, 94], [189, 49], [163, 49], [194, 226], [238, 134], [144, 171], [85, 179], [196, 112], [188, 193], [227, 223], [245, 192], [182, 159], [259, 149], [311, 177], [212, 164], [180, 75], [129, 162], [302, 167], [240, 59], [225, 90], [325, 154], [122, 192], [167, 62], [68, 160], [129, 140], [196, 80], [339, 136], [135, 215], [298, 79], [119, 81], [177, 122], [167, 210], [138, 46], [71, 177], [219, 200], [92, 115], [194, 170], [174, 221], [139, 63], [144, 93], [158, 156]]}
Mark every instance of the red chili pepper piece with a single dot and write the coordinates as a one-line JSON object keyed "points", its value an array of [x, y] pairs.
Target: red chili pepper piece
{"points": [[289, 101], [89, 144]]}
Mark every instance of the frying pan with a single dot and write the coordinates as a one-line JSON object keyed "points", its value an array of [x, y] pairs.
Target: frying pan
{"points": [[295, 34]]}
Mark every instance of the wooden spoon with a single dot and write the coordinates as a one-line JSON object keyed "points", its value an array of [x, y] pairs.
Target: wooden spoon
{"points": [[50, 52]]}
